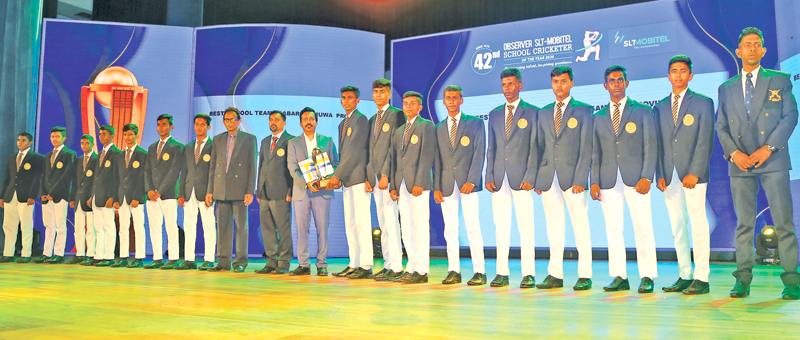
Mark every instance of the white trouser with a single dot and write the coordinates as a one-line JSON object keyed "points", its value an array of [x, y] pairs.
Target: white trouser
{"points": [[163, 212], [17, 213], [54, 218], [501, 211], [613, 204], [84, 231], [191, 207], [678, 200], [106, 230], [125, 214], [416, 228], [358, 226], [392, 250], [469, 204], [553, 201]]}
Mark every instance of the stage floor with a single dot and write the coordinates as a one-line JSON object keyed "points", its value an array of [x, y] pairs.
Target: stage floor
{"points": [[75, 302]]}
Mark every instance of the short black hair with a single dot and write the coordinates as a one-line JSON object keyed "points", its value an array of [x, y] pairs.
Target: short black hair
{"points": [[680, 59], [276, 112], [615, 68], [413, 94], [89, 138], [308, 109], [454, 88], [511, 72], [751, 30], [131, 127], [164, 116], [26, 135], [108, 128], [204, 116], [351, 88], [559, 70], [381, 83], [234, 110], [61, 129]]}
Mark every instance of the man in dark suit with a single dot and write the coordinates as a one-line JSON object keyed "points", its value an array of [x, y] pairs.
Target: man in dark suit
{"points": [[232, 182], [161, 174], [192, 191], [55, 194], [81, 202], [382, 127], [309, 199], [129, 199], [414, 151], [457, 179], [685, 122], [511, 165], [274, 192], [24, 171], [755, 118], [624, 155], [104, 189], [351, 174], [565, 143]]}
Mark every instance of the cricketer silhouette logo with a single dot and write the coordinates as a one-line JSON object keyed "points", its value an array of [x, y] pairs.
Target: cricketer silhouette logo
{"points": [[591, 44]]}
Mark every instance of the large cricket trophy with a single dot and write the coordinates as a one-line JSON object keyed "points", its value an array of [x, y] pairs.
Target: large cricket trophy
{"points": [[117, 89], [317, 170]]}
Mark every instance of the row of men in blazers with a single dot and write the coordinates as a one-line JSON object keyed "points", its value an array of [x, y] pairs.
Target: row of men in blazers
{"points": [[400, 157]]}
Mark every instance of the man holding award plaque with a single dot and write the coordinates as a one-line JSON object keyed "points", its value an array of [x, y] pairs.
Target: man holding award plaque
{"points": [[311, 159]]}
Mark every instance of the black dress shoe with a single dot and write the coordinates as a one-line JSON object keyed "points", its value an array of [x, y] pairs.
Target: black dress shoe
{"points": [[281, 271], [618, 284], [452, 278], [86, 261], [300, 270], [583, 284], [379, 274], [402, 277], [551, 282], [206, 265], [91, 262], [499, 281], [170, 265], [121, 263], [105, 263], [7, 259], [416, 278], [646, 286], [138, 263], [387, 276], [697, 287], [25, 260], [265, 270], [360, 273], [218, 268], [56, 259], [75, 260], [322, 271], [479, 279], [41, 259], [791, 292], [528, 281], [345, 272], [186, 265], [155, 264], [678, 286], [238, 269], [740, 290]]}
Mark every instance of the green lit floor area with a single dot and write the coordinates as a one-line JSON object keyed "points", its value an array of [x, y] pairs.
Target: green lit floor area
{"points": [[42, 301]]}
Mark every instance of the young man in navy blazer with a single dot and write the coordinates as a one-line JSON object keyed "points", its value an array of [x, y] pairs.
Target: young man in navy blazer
{"points": [[24, 171], [55, 193]]}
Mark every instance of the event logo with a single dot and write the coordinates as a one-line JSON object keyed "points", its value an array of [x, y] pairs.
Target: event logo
{"points": [[643, 40], [484, 59], [591, 44], [117, 89]]}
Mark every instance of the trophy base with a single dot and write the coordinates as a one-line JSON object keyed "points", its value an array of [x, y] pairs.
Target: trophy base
{"points": [[323, 183]]}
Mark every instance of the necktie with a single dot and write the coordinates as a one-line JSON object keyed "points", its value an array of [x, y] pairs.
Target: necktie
{"points": [[509, 118], [344, 127], [675, 110], [102, 157], [197, 151], [272, 147], [405, 134], [19, 160], [127, 158], [616, 118], [558, 117], [53, 157], [160, 147], [85, 160], [453, 128], [229, 150], [378, 122], [748, 92]]}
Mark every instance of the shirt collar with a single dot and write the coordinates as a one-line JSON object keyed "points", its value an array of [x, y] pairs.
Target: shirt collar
{"points": [[457, 117], [132, 148], [279, 134], [412, 120], [565, 101], [204, 140], [682, 94], [108, 146], [165, 139], [233, 134], [58, 149], [25, 152], [385, 107], [622, 104], [754, 72], [88, 154], [515, 103], [312, 139]]}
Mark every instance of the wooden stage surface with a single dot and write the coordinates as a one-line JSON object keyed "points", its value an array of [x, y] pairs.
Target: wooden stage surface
{"points": [[42, 301]]}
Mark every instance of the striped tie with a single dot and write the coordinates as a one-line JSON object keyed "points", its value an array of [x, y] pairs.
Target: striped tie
{"points": [[160, 147], [85, 161], [405, 134], [616, 118], [378, 122], [197, 151], [453, 128], [344, 127], [559, 113], [53, 158], [509, 118], [19, 160], [127, 158], [102, 157], [675, 110]]}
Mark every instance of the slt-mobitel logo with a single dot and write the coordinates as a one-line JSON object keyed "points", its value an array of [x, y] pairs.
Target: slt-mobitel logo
{"points": [[640, 43]]}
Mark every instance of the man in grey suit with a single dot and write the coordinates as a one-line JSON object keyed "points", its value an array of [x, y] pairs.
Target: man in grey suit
{"points": [[685, 125], [457, 178], [624, 153], [231, 182], [309, 198], [275, 196], [565, 143], [414, 151], [755, 118], [352, 173], [511, 165], [382, 127]]}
